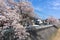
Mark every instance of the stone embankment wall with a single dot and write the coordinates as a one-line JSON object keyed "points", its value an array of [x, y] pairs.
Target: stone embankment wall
{"points": [[43, 34]]}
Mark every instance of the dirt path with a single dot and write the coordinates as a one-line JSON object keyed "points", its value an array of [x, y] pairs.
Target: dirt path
{"points": [[57, 36]]}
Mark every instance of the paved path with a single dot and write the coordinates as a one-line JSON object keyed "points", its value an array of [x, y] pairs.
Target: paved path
{"points": [[57, 37]]}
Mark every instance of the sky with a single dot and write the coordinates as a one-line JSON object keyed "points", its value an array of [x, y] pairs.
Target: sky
{"points": [[46, 8]]}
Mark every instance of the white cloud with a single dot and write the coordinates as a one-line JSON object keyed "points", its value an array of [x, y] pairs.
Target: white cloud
{"points": [[38, 8], [54, 5]]}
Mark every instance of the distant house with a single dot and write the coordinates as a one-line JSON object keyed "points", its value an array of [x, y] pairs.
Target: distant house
{"points": [[59, 19]]}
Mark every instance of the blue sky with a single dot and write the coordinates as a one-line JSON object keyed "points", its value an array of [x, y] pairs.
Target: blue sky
{"points": [[46, 8]]}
